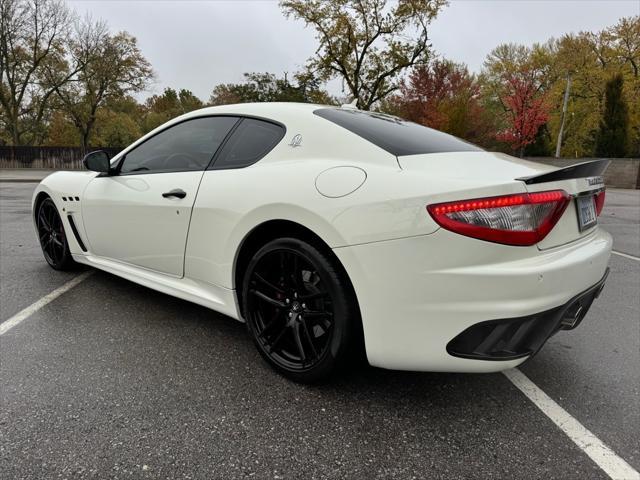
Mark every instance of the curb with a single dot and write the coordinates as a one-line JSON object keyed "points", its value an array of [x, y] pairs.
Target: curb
{"points": [[20, 180]]}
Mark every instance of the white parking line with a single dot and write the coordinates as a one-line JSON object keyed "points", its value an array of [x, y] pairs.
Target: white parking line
{"points": [[626, 255], [605, 458], [34, 307]]}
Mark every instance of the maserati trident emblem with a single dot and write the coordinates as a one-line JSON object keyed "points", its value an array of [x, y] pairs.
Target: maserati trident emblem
{"points": [[296, 141]]}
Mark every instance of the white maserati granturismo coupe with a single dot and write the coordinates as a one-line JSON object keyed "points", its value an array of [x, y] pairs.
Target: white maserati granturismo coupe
{"points": [[332, 231]]}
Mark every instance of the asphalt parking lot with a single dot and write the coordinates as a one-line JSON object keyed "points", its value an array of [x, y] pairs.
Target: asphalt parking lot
{"points": [[113, 380]]}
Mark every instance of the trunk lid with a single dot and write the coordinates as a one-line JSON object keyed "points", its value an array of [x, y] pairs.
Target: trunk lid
{"points": [[486, 169], [582, 181]]}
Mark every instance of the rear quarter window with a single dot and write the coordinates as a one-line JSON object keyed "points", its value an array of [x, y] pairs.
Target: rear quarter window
{"points": [[249, 142], [396, 136]]}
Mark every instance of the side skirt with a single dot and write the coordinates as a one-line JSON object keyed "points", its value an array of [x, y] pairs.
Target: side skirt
{"points": [[220, 299]]}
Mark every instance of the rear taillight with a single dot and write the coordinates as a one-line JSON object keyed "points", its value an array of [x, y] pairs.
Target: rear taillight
{"points": [[520, 219], [599, 202]]}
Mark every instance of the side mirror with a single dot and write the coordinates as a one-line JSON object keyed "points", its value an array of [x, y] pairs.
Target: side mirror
{"points": [[97, 161]]}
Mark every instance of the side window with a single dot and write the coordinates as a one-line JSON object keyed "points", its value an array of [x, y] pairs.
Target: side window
{"points": [[186, 146], [251, 141]]}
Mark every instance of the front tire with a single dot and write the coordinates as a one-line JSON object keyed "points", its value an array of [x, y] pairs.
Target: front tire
{"points": [[53, 239], [299, 309]]}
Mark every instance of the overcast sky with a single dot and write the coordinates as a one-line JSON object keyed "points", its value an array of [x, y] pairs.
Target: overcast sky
{"points": [[198, 44]]}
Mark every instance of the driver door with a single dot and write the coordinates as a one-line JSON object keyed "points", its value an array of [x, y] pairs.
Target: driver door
{"points": [[140, 216]]}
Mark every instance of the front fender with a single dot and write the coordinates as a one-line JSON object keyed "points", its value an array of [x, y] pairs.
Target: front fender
{"points": [[65, 188]]}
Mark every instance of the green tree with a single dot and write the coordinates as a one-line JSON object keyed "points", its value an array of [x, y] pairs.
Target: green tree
{"points": [[266, 87], [61, 132], [114, 67], [33, 39], [591, 59], [367, 43], [626, 38], [162, 108], [588, 60], [541, 145], [613, 135], [115, 129]]}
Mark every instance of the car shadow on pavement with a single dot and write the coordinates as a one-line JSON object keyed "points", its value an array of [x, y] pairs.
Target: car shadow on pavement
{"points": [[125, 371], [200, 333]]}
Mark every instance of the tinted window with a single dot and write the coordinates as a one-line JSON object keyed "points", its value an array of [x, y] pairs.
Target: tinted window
{"points": [[186, 146], [395, 135], [251, 141]]}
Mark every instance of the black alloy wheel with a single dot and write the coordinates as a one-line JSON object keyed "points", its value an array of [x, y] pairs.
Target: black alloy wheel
{"points": [[53, 239], [298, 309]]}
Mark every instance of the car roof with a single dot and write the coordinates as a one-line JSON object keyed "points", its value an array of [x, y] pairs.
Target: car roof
{"points": [[297, 118], [272, 110]]}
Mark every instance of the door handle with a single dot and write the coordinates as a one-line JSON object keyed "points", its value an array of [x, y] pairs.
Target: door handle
{"points": [[176, 192]]}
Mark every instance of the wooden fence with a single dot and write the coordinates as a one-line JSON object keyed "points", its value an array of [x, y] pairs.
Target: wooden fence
{"points": [[55, 158], [622, 172]]}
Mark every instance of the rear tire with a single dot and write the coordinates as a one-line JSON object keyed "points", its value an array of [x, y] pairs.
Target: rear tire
{"points": [[53, 239], [299, 309]]}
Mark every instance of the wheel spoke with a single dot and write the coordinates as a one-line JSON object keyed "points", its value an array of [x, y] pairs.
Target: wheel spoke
{"points": [[278, 339], [298, 340], [296, 272], [281, 256], [309, 339], [52, 216], [313, 296], [314, 314], [266, 298], [266, 282], [43, 221], [289, 266], [268, 326], [57, 224], [52, 251]]}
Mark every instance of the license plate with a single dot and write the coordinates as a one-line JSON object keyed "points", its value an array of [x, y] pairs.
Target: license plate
{"points": [[586, 212]]}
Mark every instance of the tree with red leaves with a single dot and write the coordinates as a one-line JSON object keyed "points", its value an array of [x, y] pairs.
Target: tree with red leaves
{"points": [[526, 109], [445, 96]]}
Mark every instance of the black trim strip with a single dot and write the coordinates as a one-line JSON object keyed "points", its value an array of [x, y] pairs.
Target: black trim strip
{"points": [[216, 154], [75, 233], [591, 168], [216, 157]]}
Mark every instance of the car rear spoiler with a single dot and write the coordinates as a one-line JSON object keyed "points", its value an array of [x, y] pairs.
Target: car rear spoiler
{"points": [[592, 168]]}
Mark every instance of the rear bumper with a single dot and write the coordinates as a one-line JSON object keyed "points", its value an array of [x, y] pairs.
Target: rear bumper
{"points": [[418, 294], [514, 338]]}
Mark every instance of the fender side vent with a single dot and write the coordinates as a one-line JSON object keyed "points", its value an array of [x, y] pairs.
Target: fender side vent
{"points": [[75, 233]]}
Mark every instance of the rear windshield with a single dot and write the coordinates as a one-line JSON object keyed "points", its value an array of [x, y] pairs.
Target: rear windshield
{"points": [[395, 135]]}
